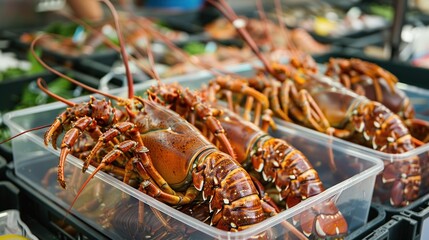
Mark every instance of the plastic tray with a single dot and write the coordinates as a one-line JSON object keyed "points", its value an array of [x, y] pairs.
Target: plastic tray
{"points": [[116, 215], [413, 81], [418, 97]]}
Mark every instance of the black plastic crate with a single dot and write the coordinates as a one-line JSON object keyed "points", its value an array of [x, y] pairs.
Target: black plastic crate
{"points": [[12, 200], [102, 67], [9, 193], [376, 38], [417, 211], [397, 228], [46, 219], [12, 90], [3, 164], [376, 218]]}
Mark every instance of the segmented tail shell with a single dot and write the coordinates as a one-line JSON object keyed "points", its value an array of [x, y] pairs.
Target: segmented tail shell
{"points": [[230, 191], [382, 130]]}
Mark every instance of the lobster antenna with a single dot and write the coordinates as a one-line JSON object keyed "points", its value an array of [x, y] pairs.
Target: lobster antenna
{"points": [[108, 42], [24, 132], [122, 46], [283, 28], [239, 25], [171, 45], [32, 46], [42, 85], [152, 62], [263, 16]]}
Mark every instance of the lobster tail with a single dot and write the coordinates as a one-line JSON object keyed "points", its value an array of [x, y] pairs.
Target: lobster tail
{"points": [[292, 173], [386, 132], [296, 180], [230, 192]]}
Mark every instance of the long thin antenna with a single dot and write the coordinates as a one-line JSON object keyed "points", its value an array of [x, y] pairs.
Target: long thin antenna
{"points": [[122, 44], [42, 85], [239, 25], [32, 46]]}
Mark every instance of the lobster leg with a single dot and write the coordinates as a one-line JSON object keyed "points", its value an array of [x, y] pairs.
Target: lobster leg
{"points": [[240, 86], [206, 113], [70, 139], [301, 105]]}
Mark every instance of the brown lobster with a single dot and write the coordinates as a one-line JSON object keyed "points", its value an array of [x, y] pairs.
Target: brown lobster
{"points": [[173, 160], [356, 119], [378, 84], [316, 101], [273, 159]]}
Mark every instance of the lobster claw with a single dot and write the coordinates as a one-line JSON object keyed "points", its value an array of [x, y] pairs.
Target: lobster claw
{"points": [[323, 220]]}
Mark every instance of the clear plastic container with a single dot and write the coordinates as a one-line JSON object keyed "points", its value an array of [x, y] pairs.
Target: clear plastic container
{"points": [[112, 207], [419, 98]]}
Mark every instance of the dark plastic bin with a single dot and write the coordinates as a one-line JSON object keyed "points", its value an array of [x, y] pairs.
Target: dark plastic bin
{"points": [[9, 193], [101, 67], [11, 199], [3, 164], [417, 211], [46, 219], [376, 218], [12, 90], [397, 228]]}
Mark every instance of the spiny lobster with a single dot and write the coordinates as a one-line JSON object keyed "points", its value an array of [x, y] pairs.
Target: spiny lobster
{"points": [[273, 159], [174, 162], [304, 97], [378, 84]]}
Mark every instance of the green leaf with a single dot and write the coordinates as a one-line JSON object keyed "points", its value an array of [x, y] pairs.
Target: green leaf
{"points": [[36, 67], [195, 48]]}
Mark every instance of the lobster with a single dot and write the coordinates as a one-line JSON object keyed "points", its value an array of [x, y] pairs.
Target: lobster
{"points": [[378, 84], [275, 160], [307, 98], [173, 161]]}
